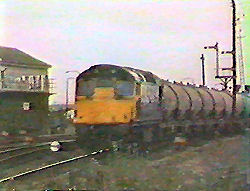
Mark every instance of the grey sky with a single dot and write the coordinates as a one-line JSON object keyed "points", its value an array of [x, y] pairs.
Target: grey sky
{"points": [[164, 37]]}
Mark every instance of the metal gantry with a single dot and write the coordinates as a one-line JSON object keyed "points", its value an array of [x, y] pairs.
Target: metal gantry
{"points": [[225, 79], [203, 69], [241, 61], [216, 48]]}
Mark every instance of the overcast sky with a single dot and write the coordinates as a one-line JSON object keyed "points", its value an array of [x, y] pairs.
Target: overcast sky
{"points": [[165, 37]]}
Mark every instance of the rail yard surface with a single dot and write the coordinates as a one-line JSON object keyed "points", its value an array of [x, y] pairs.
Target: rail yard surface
{"points": [[218, 164]]}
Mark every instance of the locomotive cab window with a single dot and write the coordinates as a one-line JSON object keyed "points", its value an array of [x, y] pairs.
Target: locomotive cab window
{"points": [[124, 88], [86, 88]]}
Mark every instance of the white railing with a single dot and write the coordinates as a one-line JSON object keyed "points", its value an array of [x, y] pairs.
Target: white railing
{"points": [[44, 85]]}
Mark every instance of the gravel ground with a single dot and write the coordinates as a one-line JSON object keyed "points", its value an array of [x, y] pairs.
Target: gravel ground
{"points": [[220, 164]]}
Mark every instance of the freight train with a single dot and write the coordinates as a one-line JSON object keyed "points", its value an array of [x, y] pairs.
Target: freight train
{"points": [[122, 103]]}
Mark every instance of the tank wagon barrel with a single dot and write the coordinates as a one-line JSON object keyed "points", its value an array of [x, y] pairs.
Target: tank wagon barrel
{"points": [[189, 99]]}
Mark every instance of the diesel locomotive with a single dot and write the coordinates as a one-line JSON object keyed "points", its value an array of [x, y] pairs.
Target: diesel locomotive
{"points": [[122, 103]]}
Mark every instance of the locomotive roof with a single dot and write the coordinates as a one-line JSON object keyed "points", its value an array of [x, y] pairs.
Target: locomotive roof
{"points": [[123, 73]]}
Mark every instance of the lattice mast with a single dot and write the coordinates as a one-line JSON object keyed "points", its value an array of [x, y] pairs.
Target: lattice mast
{"points": [[241, 61]]}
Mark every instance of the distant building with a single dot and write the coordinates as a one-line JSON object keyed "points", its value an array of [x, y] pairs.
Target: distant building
{"points": [[24, 89]]}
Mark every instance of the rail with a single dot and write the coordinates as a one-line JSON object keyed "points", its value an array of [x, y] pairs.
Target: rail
{"points": [[53, 164], [32, 146]]}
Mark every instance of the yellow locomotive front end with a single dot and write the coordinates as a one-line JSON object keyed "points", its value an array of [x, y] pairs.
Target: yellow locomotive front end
{"points": [[105, 95], [104, 108]]}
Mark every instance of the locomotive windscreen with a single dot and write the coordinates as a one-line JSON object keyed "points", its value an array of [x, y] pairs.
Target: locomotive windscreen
{"points": [[86, 88], [122, 88]]}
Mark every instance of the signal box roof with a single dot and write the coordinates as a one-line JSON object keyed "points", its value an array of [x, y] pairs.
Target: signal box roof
{"points": [[15, 56]]}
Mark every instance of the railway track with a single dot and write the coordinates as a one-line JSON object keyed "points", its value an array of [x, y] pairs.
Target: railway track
{"points": [[59, 167], [25, 158], [26, 173], [33, 146], [36, 139], [12, 153]]}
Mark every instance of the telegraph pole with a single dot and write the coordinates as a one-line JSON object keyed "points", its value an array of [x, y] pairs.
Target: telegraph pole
{"points": [[234, 55], [203, 69]]}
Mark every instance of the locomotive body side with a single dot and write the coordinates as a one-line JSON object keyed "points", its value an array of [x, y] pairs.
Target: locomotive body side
{"points": [[116, 100]]}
